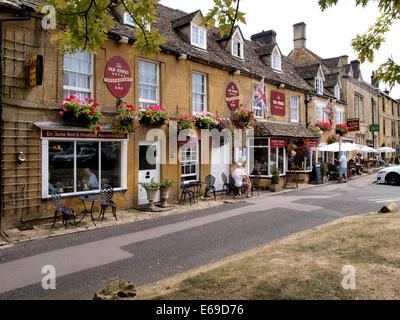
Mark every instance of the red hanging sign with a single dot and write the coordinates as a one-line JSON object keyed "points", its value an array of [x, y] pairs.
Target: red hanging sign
{"points": [[118, 77], [278, 143], [353, 124], [232, 96], [277, 103]]}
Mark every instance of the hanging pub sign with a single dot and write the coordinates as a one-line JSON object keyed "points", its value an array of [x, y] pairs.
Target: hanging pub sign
{"points": [[353, 124], [277, 143], [232, 96], [118, 77], [36, 70], [277, 103]]}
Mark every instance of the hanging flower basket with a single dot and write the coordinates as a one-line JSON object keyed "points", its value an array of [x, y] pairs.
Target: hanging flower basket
{"points": [[316, 130], [333, 139], [153, 115], [126, 121], [342, 129], [81, 112], [324, 126], [225, 123], [244, 119], [205, 120], [298, 147]]}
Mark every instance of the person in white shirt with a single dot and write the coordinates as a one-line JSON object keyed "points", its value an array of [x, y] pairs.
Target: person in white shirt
{"points": [[343, 167], [242, 180]]}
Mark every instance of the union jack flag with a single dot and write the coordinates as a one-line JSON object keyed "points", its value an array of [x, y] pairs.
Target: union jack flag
{"points": [[259, 96], [329, 111]]}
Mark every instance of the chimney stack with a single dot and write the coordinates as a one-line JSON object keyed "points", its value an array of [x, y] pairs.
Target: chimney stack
{"points": [[265, 37], [374, 80], [299, 35]]}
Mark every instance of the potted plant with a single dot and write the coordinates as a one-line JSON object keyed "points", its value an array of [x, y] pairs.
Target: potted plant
{"points": [[205, 120], [165, 187], [323, 125], [244, 119], [275, 185], [342, 129], [151, 190], [126, 121], [153, 115], [81, 112]]}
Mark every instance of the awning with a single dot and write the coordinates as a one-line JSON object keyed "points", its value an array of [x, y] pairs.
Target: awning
{"points": [[264, 128]]}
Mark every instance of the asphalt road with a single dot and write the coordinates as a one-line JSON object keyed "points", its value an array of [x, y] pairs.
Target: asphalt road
{"points": [[147, 251]]}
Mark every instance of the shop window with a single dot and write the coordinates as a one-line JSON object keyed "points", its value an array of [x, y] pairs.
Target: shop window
{"points": [[263, 159], [148, 83], [199, 92], [199, 37], [78, 74], [294, 108], [303, 163], [258, 109], [190, 163], [82, 166]]}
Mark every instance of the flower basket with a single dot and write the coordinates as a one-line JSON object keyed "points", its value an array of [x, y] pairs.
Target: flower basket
{"points": [[244, 119], [153, 116], [316, 130], [205, 120], [323, 126], [126, 121], [333, 139], [225, 123], [81, 112], [342, 129], [187, 123]]}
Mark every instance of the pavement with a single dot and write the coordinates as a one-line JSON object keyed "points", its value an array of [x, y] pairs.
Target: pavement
{"points": [[151, 250]]}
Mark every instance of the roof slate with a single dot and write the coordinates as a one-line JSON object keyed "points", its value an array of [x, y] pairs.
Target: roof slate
{"points": [[331, 62], [267, 128]]}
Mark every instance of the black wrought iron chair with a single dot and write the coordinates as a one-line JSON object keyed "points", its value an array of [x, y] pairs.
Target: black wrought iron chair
{"points": [[186, 192], [255, 183], [107, 193], [225, 187], [66, 213], [210, 181]]}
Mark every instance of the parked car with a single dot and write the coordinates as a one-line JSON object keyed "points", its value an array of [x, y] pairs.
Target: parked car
{"points": [[389, 175]]}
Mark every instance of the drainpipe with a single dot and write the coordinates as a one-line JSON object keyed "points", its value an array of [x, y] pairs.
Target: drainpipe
{"points": [[307, 101], [2, 21]]}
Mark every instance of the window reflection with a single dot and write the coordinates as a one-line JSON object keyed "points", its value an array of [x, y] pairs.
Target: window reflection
{"points": [[87, 164], [111, 164], [61, 167]]}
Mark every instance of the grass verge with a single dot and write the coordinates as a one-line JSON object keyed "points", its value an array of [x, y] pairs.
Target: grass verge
{"points": [[306, 265]]}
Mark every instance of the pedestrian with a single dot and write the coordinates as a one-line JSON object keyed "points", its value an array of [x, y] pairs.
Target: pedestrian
{"points": [[242, 180], [343, 168]]}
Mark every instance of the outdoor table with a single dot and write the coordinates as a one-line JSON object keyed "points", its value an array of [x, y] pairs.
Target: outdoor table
{"points": [[196, 186], [91, 199]]}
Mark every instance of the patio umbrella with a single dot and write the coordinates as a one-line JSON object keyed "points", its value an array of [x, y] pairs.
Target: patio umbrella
{"points": [[366, 149], [335, 147], [386, 149]]}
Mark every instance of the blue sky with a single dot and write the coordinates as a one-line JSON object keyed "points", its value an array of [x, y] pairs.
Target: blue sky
{"points": [[329, 33]]}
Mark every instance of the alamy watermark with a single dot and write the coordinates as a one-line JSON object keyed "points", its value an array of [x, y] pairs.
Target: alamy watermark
{"points": [[49, 279], [349, 279]]}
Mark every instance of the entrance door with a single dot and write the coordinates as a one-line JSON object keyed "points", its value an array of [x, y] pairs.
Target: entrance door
{"points": [[220, 156], [149, 167]]}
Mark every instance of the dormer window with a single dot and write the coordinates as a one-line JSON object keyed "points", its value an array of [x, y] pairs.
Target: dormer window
{"points": [[199, 37], [128, 19], [319, 85], [237, 48], [337, 92], [276, 59]]}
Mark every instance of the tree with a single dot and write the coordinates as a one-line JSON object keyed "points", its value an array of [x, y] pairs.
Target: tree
{"points": [[368, 43], [86, 22]]}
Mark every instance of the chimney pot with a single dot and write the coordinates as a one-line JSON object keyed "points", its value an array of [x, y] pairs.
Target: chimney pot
{"points": [[299, 35]]}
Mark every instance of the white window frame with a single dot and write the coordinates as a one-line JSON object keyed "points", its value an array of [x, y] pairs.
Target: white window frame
{"points": [[294, 109], [91, 82], [204, 94], [255, 107], [128, 19], [276, 60], [319, 85], [337, 92], [319, 110], [45, 166], [189, 162], [195, 28], [236, 54], [147, 101], [339, 115], [270, 167]]}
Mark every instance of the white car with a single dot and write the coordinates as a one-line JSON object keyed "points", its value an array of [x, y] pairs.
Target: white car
{"points": [[389, 175]]}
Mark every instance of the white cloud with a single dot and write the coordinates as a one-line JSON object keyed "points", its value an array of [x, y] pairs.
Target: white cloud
{"points": [[329, 33]]}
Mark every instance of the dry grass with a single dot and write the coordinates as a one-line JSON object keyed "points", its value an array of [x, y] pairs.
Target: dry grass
{"points": [[304, 266]]}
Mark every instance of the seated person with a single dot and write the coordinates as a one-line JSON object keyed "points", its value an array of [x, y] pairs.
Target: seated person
{"points": [[93, 184], [241, 180]]}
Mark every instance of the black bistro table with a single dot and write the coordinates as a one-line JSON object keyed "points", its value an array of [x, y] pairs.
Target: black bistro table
{"points": [[91, 199], [196, 187]]}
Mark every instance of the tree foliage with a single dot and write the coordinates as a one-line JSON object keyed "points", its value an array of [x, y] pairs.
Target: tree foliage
{"points": [[370, 42], [87, 22]]}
